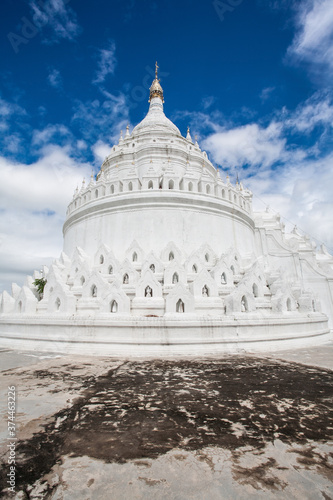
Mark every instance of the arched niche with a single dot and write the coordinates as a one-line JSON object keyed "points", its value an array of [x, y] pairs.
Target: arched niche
{"points": [[113, 306], [180, 306]]}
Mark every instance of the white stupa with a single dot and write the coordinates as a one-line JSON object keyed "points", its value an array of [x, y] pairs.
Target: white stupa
{"points": [[164, 257]]}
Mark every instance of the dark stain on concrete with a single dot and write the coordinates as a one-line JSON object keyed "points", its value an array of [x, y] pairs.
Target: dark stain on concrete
{"points": [[143, 409], [151, 482], [260, 476], [309, 458], [90, 482]]}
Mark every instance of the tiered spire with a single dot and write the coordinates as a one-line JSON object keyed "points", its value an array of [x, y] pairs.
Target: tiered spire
{"points": [[83, 187], [92, 180], [156, 89]]}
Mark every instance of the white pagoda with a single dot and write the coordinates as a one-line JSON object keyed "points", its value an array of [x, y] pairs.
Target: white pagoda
{"points": [[162, 256]]}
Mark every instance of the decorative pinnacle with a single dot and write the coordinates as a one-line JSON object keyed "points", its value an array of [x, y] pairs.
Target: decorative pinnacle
{"points": [[188, 135], [156, 89]]}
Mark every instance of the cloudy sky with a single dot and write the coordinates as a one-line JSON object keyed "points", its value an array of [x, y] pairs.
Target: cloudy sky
{"points": [[252, 78]]}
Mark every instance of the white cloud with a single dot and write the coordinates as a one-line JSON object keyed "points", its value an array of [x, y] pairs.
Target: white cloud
{"points": [[106, 63], [49, 133], [55, 20], [301, 193], [7, 111], [317, 110], [101, 150], [294, 179], [247, 145], [199, 121], [54, 79], [47, 184], [12, 143], [266, 93], [207, 101], [33, 201], [5, 108], [313, 42], [102, 119], [27, 242], [81, 145]]}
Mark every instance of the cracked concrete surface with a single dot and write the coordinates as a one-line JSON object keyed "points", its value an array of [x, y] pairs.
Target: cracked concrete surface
{"points": [[245, 426]]}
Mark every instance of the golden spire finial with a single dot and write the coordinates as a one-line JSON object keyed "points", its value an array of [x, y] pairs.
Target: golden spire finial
{"points": [[156, 89]]}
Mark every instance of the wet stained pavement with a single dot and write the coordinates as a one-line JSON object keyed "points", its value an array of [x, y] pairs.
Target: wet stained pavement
{"points": [[250, 423]]}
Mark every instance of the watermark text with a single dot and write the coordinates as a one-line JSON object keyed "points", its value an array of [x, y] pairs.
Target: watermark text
{"points": [[11, 475], [223, 7]]}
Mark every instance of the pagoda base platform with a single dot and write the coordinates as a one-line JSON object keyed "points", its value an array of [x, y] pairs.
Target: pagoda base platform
{"points": [[170, 335]]}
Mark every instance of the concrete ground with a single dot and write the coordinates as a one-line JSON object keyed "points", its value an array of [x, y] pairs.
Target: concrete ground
{"points": [[230, 427]]}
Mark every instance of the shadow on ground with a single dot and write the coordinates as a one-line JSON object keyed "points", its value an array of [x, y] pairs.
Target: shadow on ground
{"points": [[141, 410]]}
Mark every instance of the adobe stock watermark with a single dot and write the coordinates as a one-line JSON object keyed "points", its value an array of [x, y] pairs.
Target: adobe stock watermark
{"points": [[11, 475], [141, 92], [29, 29], [225, 6]]}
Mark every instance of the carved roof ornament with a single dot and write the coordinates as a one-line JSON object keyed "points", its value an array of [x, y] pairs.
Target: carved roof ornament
{"points": [[92, 180], [156, 89], [188, 135]]}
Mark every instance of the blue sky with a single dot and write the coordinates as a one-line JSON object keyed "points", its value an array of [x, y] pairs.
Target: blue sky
{"points": [[252, 78]]}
